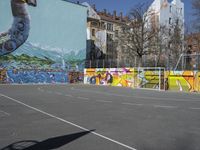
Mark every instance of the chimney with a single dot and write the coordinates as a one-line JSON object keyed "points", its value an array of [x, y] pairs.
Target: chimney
{"points": [[94, 7], [121, 16], [114, 14]]}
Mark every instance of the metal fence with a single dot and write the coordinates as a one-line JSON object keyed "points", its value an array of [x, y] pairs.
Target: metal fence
{"points": [[184, 62], [188, 62]]}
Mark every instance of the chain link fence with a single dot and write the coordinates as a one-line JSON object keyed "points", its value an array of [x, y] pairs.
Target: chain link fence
{"points": [[184, 62], [188, 62]]}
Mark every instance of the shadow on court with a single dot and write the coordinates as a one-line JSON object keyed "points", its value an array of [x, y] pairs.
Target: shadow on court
{"points": [[48, 144]]}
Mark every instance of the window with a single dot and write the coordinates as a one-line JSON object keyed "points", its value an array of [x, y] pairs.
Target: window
{"points": [[116, 33], [103, 25], [170, 31], [109, 26], [109, 37], [94, 24], [170, 20], [93, 32]]}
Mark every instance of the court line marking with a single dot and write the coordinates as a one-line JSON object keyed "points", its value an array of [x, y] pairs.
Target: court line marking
{"points": [[7, 114], [84, 98], [68, 95], [140, 97], [164, 106], [195, 108], [132, 104], [68, 122], [103, 101]]}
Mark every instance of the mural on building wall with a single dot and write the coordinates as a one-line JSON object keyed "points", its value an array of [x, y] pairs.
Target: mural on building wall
{"points": [[19, 32], [56, 42], [188, 81]]}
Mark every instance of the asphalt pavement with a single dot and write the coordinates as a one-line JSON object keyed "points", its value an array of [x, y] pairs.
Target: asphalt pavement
{"points": [[86, 117]]}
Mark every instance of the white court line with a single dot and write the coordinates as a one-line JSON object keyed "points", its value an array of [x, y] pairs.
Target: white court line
{"points": [[132, 104], [103, 101], [163, 106], [68, 122], [195, 108], [84, 98], [5, 113], [139, 97]]}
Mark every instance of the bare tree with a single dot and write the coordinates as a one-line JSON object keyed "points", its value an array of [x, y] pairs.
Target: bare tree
{"points": [[196, 7], [176, 42], [139, 37]]}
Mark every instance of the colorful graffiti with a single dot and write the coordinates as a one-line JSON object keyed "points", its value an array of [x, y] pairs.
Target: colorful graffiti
{"points": [[75, 77], [187, 81], [125, 77], [150, 78], [32, 76], [114, 76], [3, 76]]}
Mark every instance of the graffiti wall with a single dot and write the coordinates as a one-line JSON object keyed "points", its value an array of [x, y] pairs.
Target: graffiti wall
{"points": [[114, 76], [75, 77], [125, 77], [187, 81], [3, 76], [56, 41], [151, 78], [32, 76]]}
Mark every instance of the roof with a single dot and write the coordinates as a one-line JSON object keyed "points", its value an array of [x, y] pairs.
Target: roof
{"points": [[111, 18]]}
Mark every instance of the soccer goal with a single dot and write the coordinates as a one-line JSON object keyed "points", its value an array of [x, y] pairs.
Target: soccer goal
{"points": [[151, 78]]}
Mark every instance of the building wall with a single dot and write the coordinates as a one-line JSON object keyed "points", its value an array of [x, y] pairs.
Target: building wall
{"points": [[166, 10], [57, 39], [103, 37]]}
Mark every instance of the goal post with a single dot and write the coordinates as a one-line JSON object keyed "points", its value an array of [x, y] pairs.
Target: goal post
{"points": [[151, 78]]}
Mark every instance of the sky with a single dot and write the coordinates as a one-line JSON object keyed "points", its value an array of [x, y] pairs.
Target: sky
{"points": [[125, 6]]}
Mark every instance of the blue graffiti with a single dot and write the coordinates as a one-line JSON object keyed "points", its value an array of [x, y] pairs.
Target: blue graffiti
{"points": [[36, 76]]}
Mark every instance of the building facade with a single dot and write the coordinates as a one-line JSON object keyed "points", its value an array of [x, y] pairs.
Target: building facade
{"points": [[102, 33], [167, 14], [168, 17]]}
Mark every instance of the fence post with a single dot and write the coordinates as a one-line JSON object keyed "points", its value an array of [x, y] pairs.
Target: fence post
{"points": [[159, 79], [90, 62]]}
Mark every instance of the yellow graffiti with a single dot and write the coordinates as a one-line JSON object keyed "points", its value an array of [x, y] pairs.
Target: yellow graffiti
{"points": [[183, 81], [188, 81]]}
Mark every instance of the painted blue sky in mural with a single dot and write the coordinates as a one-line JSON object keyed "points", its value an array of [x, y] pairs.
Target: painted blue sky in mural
{"points": [[55, 25]]}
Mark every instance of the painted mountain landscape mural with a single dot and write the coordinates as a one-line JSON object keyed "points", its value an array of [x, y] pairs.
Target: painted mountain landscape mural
{"points": [[56, 44]]}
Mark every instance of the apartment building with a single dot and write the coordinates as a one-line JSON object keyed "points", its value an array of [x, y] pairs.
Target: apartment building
{"points": [[102, 32], [167, 14]]}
